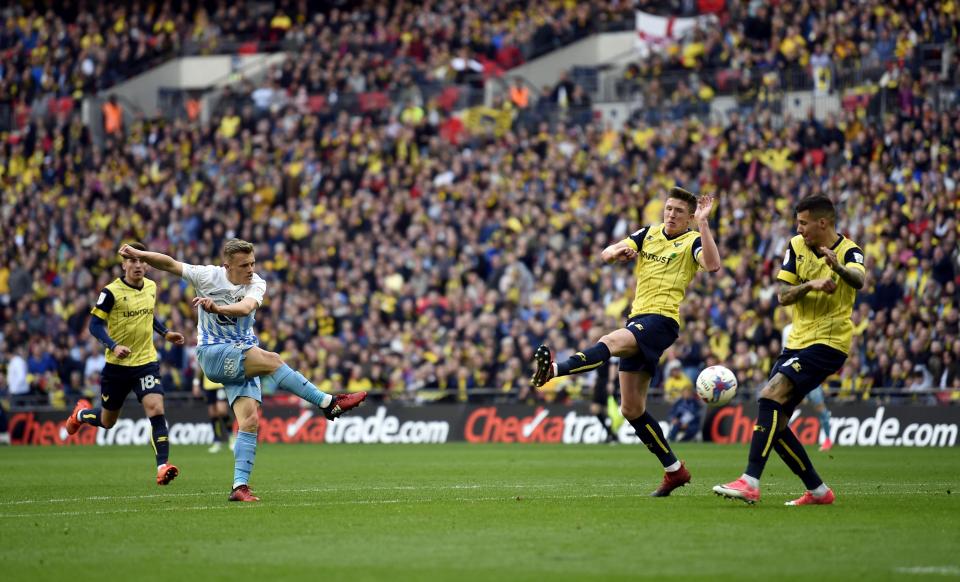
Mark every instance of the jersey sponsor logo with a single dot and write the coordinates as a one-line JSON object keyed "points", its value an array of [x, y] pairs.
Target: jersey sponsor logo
{"points": [[136, 312], [656, 258]]}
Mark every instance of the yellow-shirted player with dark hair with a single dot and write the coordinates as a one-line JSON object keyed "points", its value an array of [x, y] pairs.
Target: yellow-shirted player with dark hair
{"points": [[821, 273], [123, 321], [667, 257]]}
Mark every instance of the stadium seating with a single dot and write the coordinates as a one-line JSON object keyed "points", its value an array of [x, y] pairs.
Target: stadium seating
{"points": [[404, 252]]}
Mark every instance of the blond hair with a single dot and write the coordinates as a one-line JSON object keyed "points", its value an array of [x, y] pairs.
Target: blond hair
{"points": [[236, 246]]}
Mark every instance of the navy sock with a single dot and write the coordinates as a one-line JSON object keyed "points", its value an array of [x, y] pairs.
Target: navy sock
{"points": [[217, 425], [588, 359], [603, 418], [764, 433], [160, 439], [90, 416], [795, 456], [226, 429], [648, 430]]}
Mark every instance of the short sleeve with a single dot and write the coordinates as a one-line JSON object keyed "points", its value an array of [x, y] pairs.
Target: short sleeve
{"points": [[104, 304], [635, 240], [257, 289], [853, 258], [200, 276], [696, 248], [788, 271]]}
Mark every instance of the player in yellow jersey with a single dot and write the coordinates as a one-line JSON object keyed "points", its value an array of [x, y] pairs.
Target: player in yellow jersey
{"points": [[123, 321], [821, 273], [667, 257]]}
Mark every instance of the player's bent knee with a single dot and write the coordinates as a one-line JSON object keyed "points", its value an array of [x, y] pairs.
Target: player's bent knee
{"points": [[108, 423], [631, 411]]}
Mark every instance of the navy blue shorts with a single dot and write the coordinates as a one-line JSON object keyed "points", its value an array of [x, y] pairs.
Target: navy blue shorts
{"points": [[807, 368], [215, 395], [117, 381], [654, 334]]}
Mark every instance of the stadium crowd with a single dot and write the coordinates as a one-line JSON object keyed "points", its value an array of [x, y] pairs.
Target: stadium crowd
{"points": [[405, 257]]}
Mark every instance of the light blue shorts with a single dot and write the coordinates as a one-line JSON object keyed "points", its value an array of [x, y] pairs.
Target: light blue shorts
{"points": [[223, 363], [815, 396]]}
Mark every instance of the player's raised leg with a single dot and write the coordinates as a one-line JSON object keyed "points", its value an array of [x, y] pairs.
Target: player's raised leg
{"points": [[269, 366], [633, 405]]}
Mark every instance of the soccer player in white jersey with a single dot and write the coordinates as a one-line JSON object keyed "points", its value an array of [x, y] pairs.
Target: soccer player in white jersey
{"points": [[227, 348]]}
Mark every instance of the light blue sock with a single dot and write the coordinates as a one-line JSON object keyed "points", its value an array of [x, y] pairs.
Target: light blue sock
{"points": [[292, 381], [825, 422], [244, 453]]}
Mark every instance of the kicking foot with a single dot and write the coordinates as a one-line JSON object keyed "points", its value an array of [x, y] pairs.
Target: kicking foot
{"points": [[672, 480], [73, 425], [810, 499], [242, 493], [166, 473], [826, 446], [738, 489], [342, 403], [544, 362]]}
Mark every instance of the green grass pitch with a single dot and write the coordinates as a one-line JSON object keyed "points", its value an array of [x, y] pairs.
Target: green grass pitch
{"points": [[471, 512]]}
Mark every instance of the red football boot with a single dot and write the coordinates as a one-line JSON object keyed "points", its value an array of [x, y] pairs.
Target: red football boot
{"points": [[738, 489], [342, 403], [73, 425], [166, 473], [810, 499], [672, 480], [242, 493]]}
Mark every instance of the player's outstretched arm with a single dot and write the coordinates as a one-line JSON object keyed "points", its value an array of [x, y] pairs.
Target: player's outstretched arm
{"points": [[620, 252], [155, 260], [709, 257]]}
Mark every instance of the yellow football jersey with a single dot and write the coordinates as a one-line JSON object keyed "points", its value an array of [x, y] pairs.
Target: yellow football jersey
{"points": [[818, 317], [664, 268], [128, 312]]}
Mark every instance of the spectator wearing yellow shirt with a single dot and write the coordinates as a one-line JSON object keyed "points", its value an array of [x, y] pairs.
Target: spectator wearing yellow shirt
{"points": [[676, 381]]}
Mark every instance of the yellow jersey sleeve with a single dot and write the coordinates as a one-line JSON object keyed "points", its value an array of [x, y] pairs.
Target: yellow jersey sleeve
{"points": [[104, 304], [853, 259], [788, 271]]}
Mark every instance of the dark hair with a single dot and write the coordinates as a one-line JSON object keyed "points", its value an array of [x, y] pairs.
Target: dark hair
{"points": [[680, 194], [137, 245], [819, 206]]}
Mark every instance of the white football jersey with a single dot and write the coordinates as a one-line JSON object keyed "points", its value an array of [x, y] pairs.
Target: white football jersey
{"points": [[211, 281]]}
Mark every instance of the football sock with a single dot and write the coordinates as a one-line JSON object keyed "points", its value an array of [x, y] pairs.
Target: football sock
{"points": [[820, 491], [226, 428], [795, 456], [244, 454], [763, 436], [825, 422], [584, 361], [602, 417], [648, 430], [292, 381], [90, 416], [160, 438], [217, 423]]}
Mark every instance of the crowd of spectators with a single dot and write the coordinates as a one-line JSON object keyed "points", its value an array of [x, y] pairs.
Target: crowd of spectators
{"points": [[405, 259], [763, 47]]}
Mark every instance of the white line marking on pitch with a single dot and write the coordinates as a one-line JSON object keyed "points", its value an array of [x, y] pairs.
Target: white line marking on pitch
{"points": [[229, 506], [938, 570]]}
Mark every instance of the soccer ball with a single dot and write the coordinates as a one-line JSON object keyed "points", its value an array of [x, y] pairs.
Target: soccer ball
{"points": [[716, 385]]}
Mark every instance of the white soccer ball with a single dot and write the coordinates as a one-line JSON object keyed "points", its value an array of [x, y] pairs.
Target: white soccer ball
{"points": [[716, 385]]}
